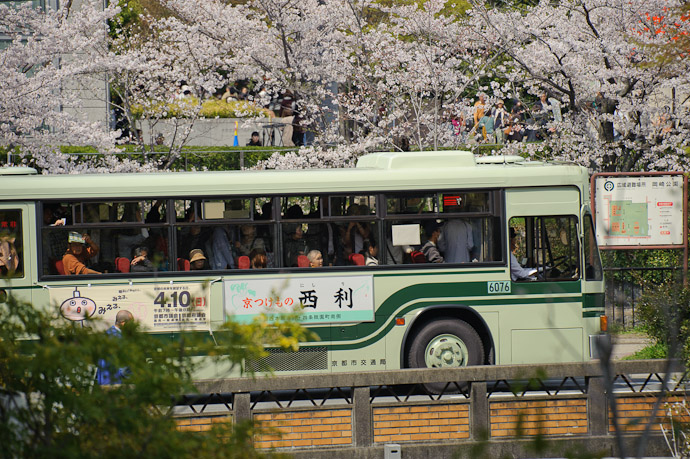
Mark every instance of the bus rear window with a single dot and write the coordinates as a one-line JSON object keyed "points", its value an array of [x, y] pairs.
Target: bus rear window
{"points": [[11, 243]]}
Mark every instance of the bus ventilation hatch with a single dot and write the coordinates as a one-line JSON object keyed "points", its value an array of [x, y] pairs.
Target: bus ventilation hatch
{"points": [[307, 358]]}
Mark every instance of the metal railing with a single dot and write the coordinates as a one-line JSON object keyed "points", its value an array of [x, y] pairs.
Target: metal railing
{"points": [[625, 287]]}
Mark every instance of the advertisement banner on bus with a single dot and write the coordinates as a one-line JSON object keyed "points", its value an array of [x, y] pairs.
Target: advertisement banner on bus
{"points": [[314, 299], [164, 307]]}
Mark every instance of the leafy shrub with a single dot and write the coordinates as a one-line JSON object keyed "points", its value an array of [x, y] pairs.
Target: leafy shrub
{"points": [[664, 313], [174, 109], [232, 109]]}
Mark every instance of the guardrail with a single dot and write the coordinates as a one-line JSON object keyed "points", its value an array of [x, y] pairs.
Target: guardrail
{"points": [[624, 289], [583, 403]]}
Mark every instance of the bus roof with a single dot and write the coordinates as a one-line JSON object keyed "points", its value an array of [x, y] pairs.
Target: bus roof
{"points": [[374, 172]]}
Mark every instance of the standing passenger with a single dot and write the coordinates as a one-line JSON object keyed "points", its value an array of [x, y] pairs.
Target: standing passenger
{"points": [[456, 241]]}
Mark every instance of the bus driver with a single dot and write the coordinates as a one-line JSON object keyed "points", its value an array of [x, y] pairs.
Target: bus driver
{"points": [[517, 272]]}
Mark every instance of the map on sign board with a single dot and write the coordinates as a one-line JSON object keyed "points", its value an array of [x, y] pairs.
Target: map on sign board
{"points": [[314, 299], [639, 210]]}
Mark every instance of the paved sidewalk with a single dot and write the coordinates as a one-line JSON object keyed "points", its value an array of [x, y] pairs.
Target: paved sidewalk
{"points": [[628, 344]]}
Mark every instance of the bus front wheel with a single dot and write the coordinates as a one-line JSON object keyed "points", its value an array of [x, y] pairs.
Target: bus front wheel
{"points": [[445, 343]]}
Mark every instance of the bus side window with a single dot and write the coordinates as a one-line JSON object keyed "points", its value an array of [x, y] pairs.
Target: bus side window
{"points": [[11, 244]]}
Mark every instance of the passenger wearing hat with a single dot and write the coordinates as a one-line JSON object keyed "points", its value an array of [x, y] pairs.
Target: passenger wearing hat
{"points": [[74, 260], [197, 260], [432, 229]]}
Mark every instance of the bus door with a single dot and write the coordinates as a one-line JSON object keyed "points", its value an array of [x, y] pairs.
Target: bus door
{"points": [[546, 280], [17, 254]]}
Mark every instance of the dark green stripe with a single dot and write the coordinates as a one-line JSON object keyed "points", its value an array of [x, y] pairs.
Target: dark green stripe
{"points": [[450, 290], [372, 326], [592, 313], [442, 273], [593, 300]]}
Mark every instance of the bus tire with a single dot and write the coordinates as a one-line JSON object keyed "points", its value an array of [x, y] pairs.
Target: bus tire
{"points": [[446, 343]]}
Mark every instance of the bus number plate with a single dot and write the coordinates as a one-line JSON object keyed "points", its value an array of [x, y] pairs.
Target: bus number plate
{"points": [[495, 287]]}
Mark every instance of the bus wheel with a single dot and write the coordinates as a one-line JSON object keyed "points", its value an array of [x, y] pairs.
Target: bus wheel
{"points": [[446, 343]]}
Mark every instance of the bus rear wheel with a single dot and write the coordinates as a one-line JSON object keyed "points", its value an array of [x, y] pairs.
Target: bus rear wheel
{"points": [[446, 343]]}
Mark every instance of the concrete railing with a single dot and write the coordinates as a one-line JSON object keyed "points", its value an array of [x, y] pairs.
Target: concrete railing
{"points": [[574, 402]]}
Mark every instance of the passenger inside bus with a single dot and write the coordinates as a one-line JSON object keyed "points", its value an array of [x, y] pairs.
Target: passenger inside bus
{"points": [[294, 243], [140, 262], [248, 240], [258, 259], [74, 260], [9, 259], [197, 260], [129, 239], [456, 240], [432, 229], [220, 250], [191, 237], [370, 253], [315, 259]]}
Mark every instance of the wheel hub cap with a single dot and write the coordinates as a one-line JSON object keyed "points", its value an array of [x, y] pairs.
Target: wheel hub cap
{"points": [[446, 351]]}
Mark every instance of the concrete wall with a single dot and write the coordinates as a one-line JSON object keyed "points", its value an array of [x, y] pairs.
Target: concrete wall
{"points": [[221, 132], [486, 414]]}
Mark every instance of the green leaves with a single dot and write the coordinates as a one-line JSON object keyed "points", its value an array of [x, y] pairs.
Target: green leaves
{"points": [[51, 405]]}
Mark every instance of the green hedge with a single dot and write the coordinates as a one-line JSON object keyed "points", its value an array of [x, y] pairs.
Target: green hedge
{"points": [[221, 158]]}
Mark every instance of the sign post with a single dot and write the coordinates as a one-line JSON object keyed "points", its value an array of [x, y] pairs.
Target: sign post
{"points": [[641, 210]]}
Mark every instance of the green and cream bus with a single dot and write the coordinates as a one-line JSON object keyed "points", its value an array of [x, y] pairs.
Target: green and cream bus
{"points": [[190, 250]]}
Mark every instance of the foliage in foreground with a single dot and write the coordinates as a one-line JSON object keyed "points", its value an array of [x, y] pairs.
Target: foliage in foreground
{"points": [[51, 406]]}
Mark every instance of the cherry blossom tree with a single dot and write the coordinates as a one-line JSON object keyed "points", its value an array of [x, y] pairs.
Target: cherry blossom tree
{"points": [[364, 76], [595, 57], [391, 72], [49, 55], [174, 64]]}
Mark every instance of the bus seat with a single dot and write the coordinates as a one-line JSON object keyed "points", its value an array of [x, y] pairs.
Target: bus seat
{"points": [[183, 264], [302, 261], [243, 262], [417, 257], [122, 264], [60, 267], [357, 259]]}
